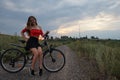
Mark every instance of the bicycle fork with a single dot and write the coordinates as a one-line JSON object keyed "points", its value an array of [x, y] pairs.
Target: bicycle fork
{"points": [[50, 51]]}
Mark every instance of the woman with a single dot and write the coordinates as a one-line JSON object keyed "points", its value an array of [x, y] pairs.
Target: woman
{"points": [[33, 31]]}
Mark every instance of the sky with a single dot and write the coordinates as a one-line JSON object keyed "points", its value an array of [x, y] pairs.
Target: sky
{"points": [[75, 18]]}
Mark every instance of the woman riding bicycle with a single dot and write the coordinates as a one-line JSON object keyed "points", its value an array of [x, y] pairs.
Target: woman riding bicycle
{"points": [[32, 42]]}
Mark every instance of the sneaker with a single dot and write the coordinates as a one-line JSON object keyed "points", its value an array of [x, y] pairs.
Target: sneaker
{"points": [[40, 72], [31, 72]]}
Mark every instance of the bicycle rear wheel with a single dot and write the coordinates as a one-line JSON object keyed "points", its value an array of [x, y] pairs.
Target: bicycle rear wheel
{"points": [[54, 60], [13, 60]]}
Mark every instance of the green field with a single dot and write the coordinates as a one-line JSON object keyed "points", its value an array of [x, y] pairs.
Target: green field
{"points": [[105, 52], [5, 41]]}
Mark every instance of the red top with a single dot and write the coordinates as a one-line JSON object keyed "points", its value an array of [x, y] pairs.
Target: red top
{"points": [[33, 32]]}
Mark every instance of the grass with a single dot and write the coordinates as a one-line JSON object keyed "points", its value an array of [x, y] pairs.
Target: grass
{"points": [[5, 41], [106, 53]]}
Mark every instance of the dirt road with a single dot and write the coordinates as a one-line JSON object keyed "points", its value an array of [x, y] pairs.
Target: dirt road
{"points": [[75, 69]]}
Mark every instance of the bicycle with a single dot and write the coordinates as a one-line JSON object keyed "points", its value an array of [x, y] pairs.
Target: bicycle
{"points": [[14, 60]]}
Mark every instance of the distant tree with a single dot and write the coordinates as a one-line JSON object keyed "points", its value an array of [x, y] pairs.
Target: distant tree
{"points": [[56, 38], [64, 37], [84, 37], [51, 37], [92, 37], [97, 38]]}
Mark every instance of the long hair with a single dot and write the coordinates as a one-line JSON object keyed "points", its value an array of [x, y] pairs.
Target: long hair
{"points": [[29, 22]]}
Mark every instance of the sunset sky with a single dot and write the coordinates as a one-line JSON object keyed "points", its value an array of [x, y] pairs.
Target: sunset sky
{"points": [[75, 18]]}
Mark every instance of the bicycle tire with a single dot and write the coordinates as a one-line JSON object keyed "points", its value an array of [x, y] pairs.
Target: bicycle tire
{"points": [[58, 57], [13, 60]]}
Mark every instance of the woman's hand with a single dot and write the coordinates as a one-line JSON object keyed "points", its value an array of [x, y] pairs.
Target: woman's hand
{"points": [[41, 38], [26, 39]]}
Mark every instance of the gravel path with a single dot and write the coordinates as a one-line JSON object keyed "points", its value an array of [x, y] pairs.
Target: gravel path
{"points": [[75, 69]]}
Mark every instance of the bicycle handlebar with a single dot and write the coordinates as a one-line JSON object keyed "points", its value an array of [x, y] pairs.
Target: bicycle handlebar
{"points": [[46, 35]]}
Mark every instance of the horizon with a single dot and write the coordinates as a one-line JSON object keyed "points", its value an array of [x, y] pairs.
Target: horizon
{"points": [[60, 37]]}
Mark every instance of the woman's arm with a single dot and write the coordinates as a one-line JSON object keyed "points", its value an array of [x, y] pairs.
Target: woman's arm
{"points": [[23, 34]]}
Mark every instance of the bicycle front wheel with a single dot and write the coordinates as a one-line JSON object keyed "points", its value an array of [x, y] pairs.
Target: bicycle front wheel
{"points": [[54, 60], [12, 60]]}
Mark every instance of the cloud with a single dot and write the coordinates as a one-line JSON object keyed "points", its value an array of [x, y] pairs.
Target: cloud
{"points": [[112, 34], [61, 17], [24, 7], [101, 22], [114, 5], [74, 3]]}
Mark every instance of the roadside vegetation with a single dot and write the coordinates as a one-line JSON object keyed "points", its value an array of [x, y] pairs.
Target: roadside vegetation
{"points": [[5, 41], [105, 52]]}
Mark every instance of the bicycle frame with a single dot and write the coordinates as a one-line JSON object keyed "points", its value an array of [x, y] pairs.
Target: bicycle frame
{"points": [[49, 52], [44, 43]]}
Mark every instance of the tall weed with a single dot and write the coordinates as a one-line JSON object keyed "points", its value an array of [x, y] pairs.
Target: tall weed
{"points": [[107, 54]]}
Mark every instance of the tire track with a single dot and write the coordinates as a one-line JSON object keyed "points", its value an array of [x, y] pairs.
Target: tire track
{"points": [[71, 70]]}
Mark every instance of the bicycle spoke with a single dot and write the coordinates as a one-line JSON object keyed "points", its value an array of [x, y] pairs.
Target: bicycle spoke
{"points": [[54, 61], [12, 60]]}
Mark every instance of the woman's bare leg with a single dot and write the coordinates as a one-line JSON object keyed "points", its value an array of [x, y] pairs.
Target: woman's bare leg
{"points": [[35, 53], [40, 56]]}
